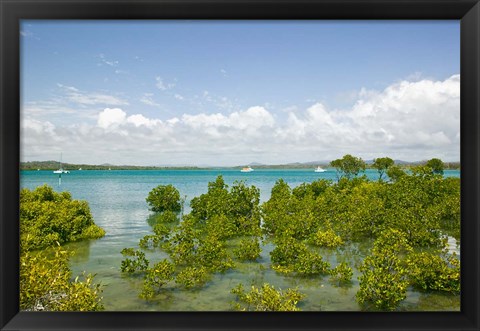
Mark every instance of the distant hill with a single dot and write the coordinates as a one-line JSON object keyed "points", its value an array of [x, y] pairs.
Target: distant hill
{"points": [[54, 165]]}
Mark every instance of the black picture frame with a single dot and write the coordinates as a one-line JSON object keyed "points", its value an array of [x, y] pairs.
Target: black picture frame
{"points": [[12, 11]]}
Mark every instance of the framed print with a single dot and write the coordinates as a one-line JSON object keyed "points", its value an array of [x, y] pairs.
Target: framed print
{"points": [[239, 165]]}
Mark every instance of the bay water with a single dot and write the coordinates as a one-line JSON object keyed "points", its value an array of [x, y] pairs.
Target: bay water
{"points": [[117, 202]]}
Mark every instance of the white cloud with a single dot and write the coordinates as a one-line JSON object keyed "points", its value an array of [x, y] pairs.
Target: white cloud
{"points": [[178, 96], [407, 120], [35, 126], [48, 107], [139, 119], [25, 33], [163, 86], [104, 60], [114, 118], [160, 85], [111, 117], [75, 95], [249, 120], [220, 102], [147, 99]]}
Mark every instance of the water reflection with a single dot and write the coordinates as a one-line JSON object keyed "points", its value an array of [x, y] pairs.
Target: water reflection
{"points": [[80, 250]]}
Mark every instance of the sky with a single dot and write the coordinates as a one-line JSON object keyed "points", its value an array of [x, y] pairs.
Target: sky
{"points": [[226, 93]]}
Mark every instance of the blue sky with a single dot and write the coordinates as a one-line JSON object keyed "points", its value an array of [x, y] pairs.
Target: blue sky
{"points": [[142, 86]]}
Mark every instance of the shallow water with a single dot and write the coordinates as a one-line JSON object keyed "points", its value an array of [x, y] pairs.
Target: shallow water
{"points": [[117, 202]]}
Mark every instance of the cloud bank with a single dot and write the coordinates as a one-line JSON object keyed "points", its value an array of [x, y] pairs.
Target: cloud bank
{"points": [[407, 120]]}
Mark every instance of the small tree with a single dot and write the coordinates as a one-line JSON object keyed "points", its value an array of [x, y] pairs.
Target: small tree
{"points": [[266, 298], [395, 173], [163, 198], [384, 282], [349, 166], [46, 284], [382, 164], [436, 165]]}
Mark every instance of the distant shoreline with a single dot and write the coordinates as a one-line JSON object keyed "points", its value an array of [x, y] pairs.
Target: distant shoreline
{"points": [[54, 165]]}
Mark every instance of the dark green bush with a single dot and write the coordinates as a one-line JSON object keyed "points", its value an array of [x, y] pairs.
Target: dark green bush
{"points": [[248, 249], [192, 277], [48, 217], [164, 198], [431, 272], [138, 262], [384, 281], [266, 298], [156, 277], [341, 274]]}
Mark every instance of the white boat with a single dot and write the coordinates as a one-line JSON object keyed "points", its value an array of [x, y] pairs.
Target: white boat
{"points": [[246, 169], [319, 169], [61, 170]]}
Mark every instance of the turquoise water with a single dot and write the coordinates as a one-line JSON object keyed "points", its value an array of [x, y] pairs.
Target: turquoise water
{"points": [[117, 202]]}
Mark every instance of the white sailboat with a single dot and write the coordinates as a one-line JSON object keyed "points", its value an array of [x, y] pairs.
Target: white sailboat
{"points": [[61, 170], [319, 169], [246, 169]]}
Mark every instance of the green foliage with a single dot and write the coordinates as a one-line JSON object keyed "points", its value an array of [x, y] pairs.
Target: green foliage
{"points": [[220, 227], [164, 198], [156, 277], [150, 241], [349, 166], [431, 272], [447, 207], [412, 207], [244, 203], [160, 236], [248, 249], [285, 214], [416, 209], [214, 202], [192, 277], [183, 244], [167, 216], [326, 238], [309, 264], [287, 251], [292, 256], [161, 230], [92, 232], [48, 217], [137, 263], [213, 255], [239, 207], [436, 165], [266, 298], [341, 274], [82, 296], [384, 281], [395, 173], [45, 284], [382, 164]]}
